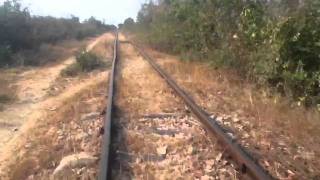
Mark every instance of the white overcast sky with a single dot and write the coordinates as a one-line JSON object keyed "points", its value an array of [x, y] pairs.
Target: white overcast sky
{"points": [[113, 11]]}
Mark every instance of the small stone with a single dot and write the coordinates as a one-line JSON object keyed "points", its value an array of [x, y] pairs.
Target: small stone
{"points": [[227, 123], [231, 135], [162, 150], [15, 129], [219, 119], [246, 135], [190, 150]]}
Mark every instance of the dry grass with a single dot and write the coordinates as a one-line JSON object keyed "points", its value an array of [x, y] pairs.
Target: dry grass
{"points": [[98, 55], [168, 148], [104, 48], [40, 149], [49, 54], [142, 85], [271, 110], [274, 119]]}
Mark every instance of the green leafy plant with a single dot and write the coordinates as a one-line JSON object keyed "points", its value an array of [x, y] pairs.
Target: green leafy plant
{"points": [[19, 31], [85, 62], [275, 43]]}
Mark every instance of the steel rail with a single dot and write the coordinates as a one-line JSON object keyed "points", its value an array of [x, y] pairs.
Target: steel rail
{"points": [[104, 173], [237, 152]]}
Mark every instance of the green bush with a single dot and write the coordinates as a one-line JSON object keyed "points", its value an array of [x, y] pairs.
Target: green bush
{"points": [[88, 61], [299, 64], [21, 31], [85, 62], [274, 43]]}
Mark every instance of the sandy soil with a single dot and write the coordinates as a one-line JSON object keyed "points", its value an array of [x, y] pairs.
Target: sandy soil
{"points": [[49, 122], [56, 131], [32, 88], [156, 137]]}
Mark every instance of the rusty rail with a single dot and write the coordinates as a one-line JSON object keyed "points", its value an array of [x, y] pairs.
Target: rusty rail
{"points": [[237, 152], [104, 161]]}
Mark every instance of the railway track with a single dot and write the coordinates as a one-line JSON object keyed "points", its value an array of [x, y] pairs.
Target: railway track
{"points": [[245, 163]]}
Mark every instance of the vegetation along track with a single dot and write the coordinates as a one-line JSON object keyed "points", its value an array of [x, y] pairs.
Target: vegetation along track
{"points": [[131, 121]]}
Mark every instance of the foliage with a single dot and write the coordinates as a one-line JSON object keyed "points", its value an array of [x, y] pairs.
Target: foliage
{"points": [[85, 62], [71, 70], [19, 30], [128, 23], [271, 42], [299, 65], [88, 61]]}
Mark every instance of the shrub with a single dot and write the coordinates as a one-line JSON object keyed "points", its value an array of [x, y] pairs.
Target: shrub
{"points": [[88, 61], [21, 31], [274, 43], [85, 62], [71, 70]]}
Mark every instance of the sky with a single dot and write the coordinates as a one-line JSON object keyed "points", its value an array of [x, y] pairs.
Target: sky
{"points": [[112, 11]]}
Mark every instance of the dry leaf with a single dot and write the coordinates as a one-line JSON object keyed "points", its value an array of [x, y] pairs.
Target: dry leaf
{"points": [[180, 135], [210, 162], [290, 173], [236, 120], [205, 177], [266, 163], [308, 155]]}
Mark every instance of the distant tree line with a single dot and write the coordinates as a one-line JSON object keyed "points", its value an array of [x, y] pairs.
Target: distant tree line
{"points": [[274, 42], [19, 30]]}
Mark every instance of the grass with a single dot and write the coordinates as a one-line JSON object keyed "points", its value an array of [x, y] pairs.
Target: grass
{"points": [[49, 53], [103, 49], [85, 62], [273, 118], [264, 103], [45, 150]]}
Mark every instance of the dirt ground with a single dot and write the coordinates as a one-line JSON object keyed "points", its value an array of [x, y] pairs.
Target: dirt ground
{"points": [[32, 118], [283, 137], [32, 87]]}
